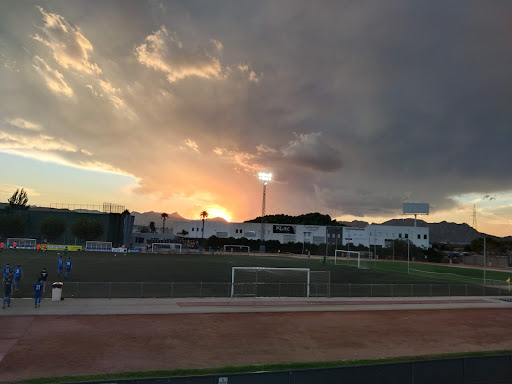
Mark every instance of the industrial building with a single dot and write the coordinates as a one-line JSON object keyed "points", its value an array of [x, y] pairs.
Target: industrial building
{"points": [[373, 234]]}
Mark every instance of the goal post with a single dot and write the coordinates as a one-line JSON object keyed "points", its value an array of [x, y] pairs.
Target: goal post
{"points": [[359, 259], [239, 248], [165, 247], [21, 242], [270, 282], [101, 246]]}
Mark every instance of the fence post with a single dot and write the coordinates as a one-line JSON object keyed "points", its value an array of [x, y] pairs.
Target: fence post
{"points": [[172, 289], [141, 290], [392, 290], [201, 290], [466, 289], [109, 290], [349, 289]]}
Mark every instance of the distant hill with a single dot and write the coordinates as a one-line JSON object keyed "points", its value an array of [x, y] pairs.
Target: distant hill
{"points": [[147, 217], [444, 232]]}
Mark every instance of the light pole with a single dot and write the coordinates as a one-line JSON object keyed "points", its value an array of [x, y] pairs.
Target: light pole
{"points": [[408, 254], [485, 261], [304, 239], [265, 177]]}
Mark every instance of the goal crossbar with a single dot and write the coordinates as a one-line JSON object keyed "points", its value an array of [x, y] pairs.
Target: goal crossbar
{"points": [[234, 269], [240, 247], [350, 254], [155, 247]]}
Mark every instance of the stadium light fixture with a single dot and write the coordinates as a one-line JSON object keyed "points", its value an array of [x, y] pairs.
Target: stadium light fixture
{"points": [[265, 177]]}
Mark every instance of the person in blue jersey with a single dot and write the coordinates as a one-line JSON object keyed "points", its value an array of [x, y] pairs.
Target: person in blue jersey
{"points": [[7, 290], [18, 273], [60, 265], [38, 293], [7, 270], [68, 268]]}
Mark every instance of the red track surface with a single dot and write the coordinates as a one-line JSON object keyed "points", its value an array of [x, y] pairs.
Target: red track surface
{"points": [[33, 346]]}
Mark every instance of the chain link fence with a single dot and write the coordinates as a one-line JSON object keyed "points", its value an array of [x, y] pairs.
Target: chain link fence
{"points": [[202, 289]]}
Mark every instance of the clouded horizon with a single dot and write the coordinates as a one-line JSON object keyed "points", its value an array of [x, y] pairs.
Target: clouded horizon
{"points": [[355, 107]]}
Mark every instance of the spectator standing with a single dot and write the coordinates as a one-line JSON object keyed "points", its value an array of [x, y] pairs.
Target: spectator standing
{"points": [[7, 290], [44, 278]]}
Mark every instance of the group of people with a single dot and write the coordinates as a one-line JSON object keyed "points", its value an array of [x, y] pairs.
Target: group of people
{"points": [[11, 281]]}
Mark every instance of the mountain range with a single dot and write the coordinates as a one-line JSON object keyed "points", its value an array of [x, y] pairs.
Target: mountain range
{"points": [[442, 232]]}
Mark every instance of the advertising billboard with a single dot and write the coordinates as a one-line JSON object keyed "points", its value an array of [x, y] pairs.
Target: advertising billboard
{"points": [[284, 229], [415, 208]]}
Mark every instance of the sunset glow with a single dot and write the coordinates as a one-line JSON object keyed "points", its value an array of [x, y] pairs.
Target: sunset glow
{"points": [[175, 106], [214, 212]]}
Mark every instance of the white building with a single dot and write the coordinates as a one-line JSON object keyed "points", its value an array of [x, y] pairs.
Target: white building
{"points": [[284, 233], [383, 234], [380, 235]]}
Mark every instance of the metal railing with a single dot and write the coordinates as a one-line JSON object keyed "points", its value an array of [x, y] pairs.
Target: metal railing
{"points": [[203, 289]]}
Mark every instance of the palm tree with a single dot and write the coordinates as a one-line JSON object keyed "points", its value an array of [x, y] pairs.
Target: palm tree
{"points": [[164, 217], [203, 215]]}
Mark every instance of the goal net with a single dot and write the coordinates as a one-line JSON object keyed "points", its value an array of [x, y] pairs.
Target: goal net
{"points": [[102, 246], [21, 243], [237, 248], [359, 259], [165, 247], [270, 282]]}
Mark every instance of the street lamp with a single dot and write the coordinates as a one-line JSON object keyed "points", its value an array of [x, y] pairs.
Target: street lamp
{"points": [[304, 240], [408, 254], [265, 177]]}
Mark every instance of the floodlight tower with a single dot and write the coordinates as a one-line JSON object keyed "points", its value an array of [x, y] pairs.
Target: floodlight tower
{"points": [[265, 177]]}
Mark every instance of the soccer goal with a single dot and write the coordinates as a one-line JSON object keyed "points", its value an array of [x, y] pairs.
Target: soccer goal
{"points": [[102, 246], [165, 247], [359, 259], [270, 282], [237, 248], [21, 242]]}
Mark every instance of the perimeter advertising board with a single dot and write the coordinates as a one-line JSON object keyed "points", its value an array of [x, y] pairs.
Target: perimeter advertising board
{"points": [[415, 208]]}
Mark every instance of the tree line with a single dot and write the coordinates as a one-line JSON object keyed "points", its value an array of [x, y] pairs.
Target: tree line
{"points": [[14, 224], [51, 227]]}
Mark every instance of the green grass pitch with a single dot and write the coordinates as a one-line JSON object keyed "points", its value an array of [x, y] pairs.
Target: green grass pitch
{"points": [[152, 268]]}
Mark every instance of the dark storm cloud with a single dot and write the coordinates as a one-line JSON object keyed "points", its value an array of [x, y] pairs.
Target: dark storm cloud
{"points": [[354, 106]]}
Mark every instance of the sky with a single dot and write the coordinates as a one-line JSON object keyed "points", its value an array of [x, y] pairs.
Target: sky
{"points": [[175, 106]]}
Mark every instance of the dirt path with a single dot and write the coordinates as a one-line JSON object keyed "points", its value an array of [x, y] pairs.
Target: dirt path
{"points": [[71, 345]]}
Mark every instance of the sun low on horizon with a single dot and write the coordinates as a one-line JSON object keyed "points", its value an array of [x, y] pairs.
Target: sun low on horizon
{"points": [[216, 212], [182, 105]]}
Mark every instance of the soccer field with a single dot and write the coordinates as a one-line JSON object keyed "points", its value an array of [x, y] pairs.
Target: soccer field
{"points": [[207, 268]]}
